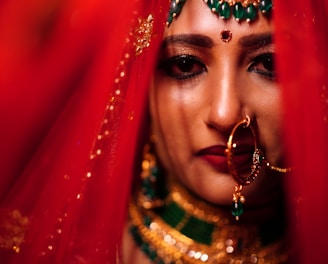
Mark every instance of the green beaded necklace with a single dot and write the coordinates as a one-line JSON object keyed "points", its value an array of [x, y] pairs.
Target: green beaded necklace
{"points": [[171, 225], [184, 226]]}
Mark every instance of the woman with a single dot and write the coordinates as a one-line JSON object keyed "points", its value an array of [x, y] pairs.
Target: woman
{"points": [[214, 81], [211, 73]]}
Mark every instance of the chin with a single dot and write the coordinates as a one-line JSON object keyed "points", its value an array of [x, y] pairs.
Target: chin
{"points": [[215, 189]]}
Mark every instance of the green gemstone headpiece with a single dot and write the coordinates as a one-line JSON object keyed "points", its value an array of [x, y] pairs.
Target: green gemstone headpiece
{"points": [[239, 9]]}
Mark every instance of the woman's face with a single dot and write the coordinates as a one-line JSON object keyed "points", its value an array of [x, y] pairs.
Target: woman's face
{"points": [[202, 87]]}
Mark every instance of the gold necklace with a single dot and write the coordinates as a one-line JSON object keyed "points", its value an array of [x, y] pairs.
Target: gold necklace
{"points": [[174, 234]]}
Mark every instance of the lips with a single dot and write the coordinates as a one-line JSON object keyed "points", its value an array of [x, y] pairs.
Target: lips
{"points": [[217, 158]]}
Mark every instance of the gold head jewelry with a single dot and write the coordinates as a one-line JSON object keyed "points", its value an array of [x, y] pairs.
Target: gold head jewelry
{"points": [[258, 161], [239, 9]]}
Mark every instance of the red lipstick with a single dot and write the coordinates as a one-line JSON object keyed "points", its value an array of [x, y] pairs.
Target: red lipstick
{"points": [[216, 157]]}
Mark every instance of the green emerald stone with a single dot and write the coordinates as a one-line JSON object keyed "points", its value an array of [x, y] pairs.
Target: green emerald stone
{"points": [[202, 234], [250, 12], [135, 235], [261, 158], [152, 254], [169, 19], [155, 172], [147, 220], [148, 190], [238, 11], [213, 5], [172, 214], [224, 10], [237, 208], [175, 9], [265, 5], [145, 248]]}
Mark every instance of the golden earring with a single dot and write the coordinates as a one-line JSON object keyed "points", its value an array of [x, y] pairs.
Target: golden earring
{"points": [[151, 176]]}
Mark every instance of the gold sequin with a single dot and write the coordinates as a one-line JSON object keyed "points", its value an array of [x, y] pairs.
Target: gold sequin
{"points": [[13, 226], [98, 151], [143, 34]]}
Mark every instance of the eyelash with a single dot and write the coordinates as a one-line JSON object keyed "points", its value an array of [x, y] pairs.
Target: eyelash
{"points": [[182, 67], [263, 65]]}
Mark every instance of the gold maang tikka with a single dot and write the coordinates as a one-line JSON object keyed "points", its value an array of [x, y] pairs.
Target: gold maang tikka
{"points": [[240, 9]]}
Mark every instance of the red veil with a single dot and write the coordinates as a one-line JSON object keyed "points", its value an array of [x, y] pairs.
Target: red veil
{"points": [[68, 135], [74, 77], [302, 41]]}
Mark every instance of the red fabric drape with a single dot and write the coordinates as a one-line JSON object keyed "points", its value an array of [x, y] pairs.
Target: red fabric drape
{"points": [[67, 94], [302, 41]]}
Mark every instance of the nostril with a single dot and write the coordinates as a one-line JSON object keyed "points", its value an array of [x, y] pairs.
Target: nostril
{"points": [[224, 122]]}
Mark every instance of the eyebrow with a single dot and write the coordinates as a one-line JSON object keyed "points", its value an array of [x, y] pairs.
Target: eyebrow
{"points": [[256, 40], [189, 39]]}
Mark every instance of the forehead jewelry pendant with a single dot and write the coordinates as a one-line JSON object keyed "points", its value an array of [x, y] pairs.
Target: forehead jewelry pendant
{"points": [[226, 35]]}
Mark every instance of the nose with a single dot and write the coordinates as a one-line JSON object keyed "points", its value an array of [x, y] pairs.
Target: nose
{"points": [[225, 103]]}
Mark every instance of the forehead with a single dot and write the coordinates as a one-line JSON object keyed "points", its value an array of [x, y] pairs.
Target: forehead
{"points": [[197, 18]]}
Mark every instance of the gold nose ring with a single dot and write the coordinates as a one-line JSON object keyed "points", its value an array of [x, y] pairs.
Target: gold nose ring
{"points": [[258, 160], [257, 155]]}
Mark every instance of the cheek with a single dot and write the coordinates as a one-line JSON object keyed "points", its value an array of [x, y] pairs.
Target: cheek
{"points": [[263, 100], [172, 108], [269, 124], [163, 106], [171, 117]]}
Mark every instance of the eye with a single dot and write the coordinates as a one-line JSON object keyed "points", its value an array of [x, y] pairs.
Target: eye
{"points": [[264, 65], [182, 67]]}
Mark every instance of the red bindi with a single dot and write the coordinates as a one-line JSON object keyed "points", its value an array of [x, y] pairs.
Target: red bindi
{"points": [[226, 35]]}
